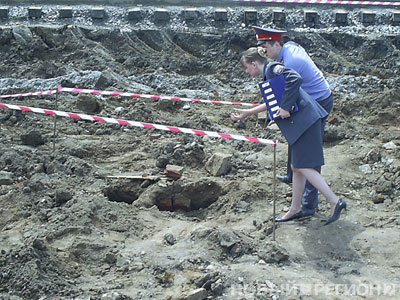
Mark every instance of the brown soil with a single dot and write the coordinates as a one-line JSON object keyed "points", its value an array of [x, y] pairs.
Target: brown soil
{"points": [[68, 231]]}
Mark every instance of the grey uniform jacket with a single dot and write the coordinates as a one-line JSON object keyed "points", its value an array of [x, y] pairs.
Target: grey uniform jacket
{"points": [[309, 111]]}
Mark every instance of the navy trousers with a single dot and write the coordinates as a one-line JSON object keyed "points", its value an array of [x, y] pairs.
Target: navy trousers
{"points": [[310, 197]]}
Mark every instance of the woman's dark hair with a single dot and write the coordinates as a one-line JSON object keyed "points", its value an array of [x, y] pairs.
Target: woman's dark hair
{"points": [[254, 54]]}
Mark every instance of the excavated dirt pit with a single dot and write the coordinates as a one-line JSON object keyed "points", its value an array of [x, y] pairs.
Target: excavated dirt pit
{"points": [[70, 231]]}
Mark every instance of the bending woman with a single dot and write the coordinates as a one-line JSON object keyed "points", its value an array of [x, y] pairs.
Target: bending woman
{"points": [[302, 130]]}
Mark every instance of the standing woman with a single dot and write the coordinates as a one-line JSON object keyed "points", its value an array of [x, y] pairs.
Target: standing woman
{"points": [[302, 130], [314, 83]]}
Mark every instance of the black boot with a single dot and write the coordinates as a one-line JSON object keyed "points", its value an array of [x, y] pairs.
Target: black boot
{"points": [[284, 179]]}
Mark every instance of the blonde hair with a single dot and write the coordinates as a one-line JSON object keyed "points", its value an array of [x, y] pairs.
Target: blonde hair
{"points": [[262, 52], [253, 54]]}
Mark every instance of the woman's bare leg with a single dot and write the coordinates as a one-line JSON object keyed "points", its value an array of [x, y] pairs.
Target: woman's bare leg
{"points": [[299, 182], [320, 184]]}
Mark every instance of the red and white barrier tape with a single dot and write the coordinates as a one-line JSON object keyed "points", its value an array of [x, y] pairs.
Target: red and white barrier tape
{"points": [[139, 124], [49, 92], [124, 94], [334, 2]]}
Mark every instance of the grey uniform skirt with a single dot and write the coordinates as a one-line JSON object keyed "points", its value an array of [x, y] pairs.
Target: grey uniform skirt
{"points": [[307, 151]]}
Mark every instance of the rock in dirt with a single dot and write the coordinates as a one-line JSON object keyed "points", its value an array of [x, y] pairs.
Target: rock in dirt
{"points": [[114, 296], [88, 104], [63, 196], [32, 138], [383, 186], [169, 239], [219, 164], [390, 145], [273, 254], [22, 35], [6, 178], [198, 294], [228, 238]]}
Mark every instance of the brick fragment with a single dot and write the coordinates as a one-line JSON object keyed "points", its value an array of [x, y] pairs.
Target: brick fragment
{"points": [[165, 204], [174, 172], [180, 202]]}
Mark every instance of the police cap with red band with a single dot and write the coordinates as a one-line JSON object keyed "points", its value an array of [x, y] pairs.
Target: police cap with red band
{"points": [[267, 34]]}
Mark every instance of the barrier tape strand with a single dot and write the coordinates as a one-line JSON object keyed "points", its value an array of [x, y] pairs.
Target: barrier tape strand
{"points": [[49, 92], [138, 124], [157, 97], [124, 94]]}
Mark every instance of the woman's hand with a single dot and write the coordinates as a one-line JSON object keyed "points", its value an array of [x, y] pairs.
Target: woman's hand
{"points": [[240, 114], [283, 113]]}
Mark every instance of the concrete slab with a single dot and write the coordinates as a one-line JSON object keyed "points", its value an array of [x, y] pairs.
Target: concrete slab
{"points": [[65, 12], [135, 14], [98, 13], [341, 17], [367, 17], [34, 12], [250, 15], [161, 15], [4, 12], [278, 16], [221, 15], [311, 17], [396, 18], [191, 13]]}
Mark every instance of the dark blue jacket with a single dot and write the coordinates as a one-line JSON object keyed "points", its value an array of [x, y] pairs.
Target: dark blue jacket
{"points": [[309, 109]]}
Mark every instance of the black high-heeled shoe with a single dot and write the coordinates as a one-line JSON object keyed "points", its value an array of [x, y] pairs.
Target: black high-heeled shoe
{"points": [[336, 213], [294, 217]]}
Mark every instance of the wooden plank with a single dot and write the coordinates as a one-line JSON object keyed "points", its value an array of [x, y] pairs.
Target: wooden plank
{"points": [[139, 177]]}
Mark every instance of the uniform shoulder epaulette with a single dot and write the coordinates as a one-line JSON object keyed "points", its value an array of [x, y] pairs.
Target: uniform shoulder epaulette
{"points": [[278, 69]]}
